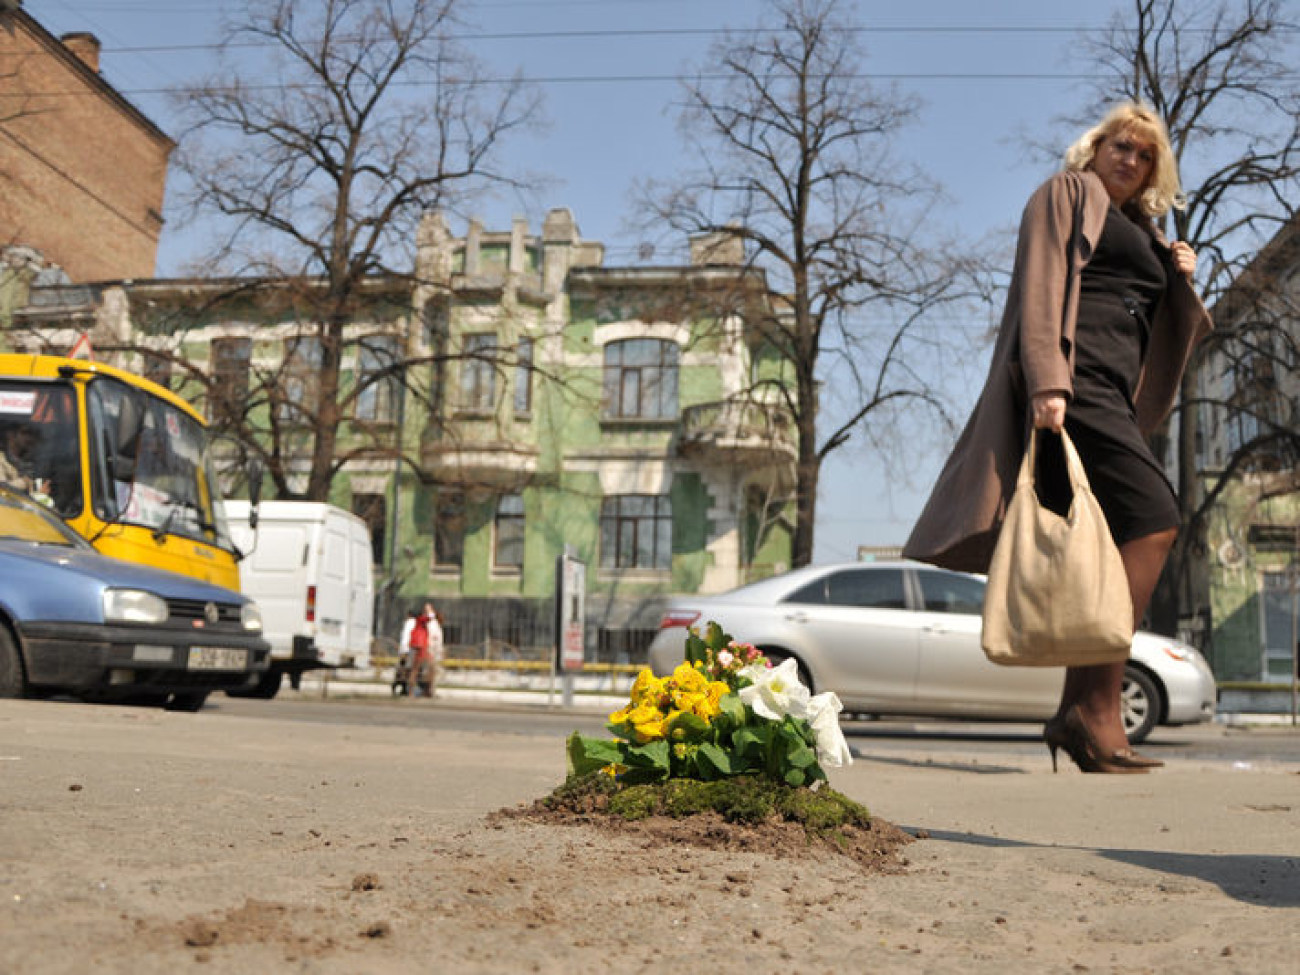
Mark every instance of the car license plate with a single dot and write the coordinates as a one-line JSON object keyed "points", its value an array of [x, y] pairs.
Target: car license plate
{"points": [[218, 658]]}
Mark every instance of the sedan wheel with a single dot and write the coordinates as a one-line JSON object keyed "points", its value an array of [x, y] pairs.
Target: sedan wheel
{"points": [[11, 667], [1139, 704]]}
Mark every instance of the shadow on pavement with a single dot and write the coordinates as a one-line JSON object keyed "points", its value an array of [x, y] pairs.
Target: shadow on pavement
{"points": [[939, 733], [1263, 879], [979, 768]]}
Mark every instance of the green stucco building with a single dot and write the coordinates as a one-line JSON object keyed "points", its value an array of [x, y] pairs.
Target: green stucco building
{"points": [[520, 398]]}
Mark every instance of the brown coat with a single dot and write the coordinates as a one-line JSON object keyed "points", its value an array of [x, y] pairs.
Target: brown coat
{"points": [[1034, 353]]}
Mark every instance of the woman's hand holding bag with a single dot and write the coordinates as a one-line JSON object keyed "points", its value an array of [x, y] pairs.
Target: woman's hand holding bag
{"points": [[1057, 591]]}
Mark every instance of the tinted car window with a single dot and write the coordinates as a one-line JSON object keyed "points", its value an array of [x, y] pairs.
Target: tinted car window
{"points": [[946, 592], [814, 593], [871, 588]]}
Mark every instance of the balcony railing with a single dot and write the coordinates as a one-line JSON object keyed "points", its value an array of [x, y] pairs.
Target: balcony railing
{"points": [[742, 426], [485, 463]]}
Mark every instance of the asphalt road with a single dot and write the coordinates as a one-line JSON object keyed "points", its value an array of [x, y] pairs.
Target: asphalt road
{"points": [[908, 740], [342, 836]]}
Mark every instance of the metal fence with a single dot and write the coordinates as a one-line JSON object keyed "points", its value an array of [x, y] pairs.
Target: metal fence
{"points": [[506, 629]]}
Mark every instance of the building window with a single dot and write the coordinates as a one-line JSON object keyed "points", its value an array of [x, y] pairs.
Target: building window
{"points": [[376, 362], [298, 394], [640, 380], [1277, 607], [524, 377], [636, 532], [449, 529], [231, 361], [478, 373], [508, 552], [373, 510]]}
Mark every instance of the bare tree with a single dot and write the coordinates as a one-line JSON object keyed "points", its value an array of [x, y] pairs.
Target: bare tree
{"points": [[1222, 75], [795, 159], [322, 149]]}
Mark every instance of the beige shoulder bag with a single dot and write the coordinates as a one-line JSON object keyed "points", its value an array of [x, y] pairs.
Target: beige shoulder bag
{"points": [[1057, 592]]}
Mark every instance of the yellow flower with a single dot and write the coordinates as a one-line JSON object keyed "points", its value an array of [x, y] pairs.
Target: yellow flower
{"points": [[693, 703], [651, 729], [706, 704], [688, 679], [643, 713], [646, 686]]}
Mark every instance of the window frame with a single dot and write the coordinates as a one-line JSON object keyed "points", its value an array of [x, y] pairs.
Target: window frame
{"points": [[478, 374], [450, 557], [300, 378], [621, 533], [230, 375], [508, 529], [624, 377], [523, 390], [377, 402]]}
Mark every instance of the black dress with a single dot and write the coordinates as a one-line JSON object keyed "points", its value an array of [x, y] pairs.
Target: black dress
{"points": [[1120, 289]]}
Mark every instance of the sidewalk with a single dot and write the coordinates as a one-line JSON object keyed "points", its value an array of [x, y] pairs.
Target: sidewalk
{"points": [[596, 693]]}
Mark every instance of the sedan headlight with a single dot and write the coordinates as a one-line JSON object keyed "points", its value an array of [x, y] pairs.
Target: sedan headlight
{"points": [[134, 606], [251, 617]]}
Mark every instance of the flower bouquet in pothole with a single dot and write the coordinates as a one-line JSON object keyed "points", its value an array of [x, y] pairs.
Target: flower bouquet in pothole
{"points": [[727, 732]]}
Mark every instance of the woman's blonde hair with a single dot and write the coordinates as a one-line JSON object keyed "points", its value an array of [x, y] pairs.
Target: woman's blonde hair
{"points": [[1163, 190]]}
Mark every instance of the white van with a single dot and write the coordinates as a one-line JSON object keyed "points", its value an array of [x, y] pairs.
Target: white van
{"points": [[309, 566]]}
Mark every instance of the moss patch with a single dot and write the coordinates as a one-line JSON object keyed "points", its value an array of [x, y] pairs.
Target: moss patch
{"points": [[741, 813]]}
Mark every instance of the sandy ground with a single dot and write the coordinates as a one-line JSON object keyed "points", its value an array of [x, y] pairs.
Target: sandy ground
{"points": [[142, 841]]}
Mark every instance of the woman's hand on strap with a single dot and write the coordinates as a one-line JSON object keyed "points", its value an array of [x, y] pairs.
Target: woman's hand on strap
{"points": [[1184, 258], [1049, 411]]}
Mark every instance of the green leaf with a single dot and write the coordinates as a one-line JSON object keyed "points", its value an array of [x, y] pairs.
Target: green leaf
{"points": [[693, 728], [714, 638], [714, 757], [753, 739], [622, 730], [587, 755], [695, 648], [731, 707], [801, 756], [654, 754]]}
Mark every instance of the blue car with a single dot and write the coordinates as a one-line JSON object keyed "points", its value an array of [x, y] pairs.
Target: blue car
{"points": [[75, 622]]}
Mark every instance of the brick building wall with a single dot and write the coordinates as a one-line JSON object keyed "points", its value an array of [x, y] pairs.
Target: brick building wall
{"points": [[82, 171]]}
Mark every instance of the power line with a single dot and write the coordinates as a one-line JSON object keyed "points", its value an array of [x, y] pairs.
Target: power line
{"points": [[641, 32], [910, 76], [616, 79]]}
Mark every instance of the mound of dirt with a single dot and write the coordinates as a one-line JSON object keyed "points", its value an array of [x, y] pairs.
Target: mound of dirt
{"points": [[876, 845]]}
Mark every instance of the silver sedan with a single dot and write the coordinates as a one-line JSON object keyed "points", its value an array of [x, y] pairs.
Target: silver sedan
{"points": [[903, 638]]}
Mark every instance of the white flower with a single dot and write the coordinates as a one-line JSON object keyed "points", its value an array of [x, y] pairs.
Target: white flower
{"points": [[725, 659], [823, 715], [775, 691]]}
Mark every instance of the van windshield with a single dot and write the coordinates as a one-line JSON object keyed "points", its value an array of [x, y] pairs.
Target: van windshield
{"points": [[149, 464]]}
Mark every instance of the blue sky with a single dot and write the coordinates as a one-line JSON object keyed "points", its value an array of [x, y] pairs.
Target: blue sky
{"points": [[986, 72]]}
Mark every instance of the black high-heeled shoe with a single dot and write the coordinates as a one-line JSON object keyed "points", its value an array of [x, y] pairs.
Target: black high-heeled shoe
{"points": [[1069, 733]]}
